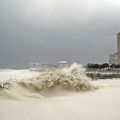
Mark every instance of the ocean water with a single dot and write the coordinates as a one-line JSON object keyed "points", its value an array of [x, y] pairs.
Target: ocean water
{"points": [[16, 74]]}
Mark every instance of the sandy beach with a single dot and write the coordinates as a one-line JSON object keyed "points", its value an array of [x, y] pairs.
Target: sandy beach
{"points": [[103, 103]]}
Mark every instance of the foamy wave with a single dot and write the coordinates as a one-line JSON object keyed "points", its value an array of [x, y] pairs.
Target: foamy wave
{"points": [[72, 78]]}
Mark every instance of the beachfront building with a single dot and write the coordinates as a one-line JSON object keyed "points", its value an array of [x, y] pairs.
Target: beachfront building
{"points": [[44, 67], [41, 67], [118, 46], [62, 64], [115, 58], [34, 66]]}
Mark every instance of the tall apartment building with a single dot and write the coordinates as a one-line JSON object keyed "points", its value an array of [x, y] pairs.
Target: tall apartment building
{"points": [[118, 47], [115, 58]]}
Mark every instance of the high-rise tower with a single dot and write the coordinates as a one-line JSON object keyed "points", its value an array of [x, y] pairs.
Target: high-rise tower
{"points": [[118, 47], [115, 58]]}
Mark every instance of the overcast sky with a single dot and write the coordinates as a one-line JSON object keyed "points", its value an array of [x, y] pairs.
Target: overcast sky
{"points": [[47, 31]]}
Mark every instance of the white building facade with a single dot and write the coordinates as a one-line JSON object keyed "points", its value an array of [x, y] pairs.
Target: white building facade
{"points": [[115, 58]]}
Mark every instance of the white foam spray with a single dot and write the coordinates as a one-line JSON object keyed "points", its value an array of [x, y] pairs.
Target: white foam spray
{"points": [[72, 78]]}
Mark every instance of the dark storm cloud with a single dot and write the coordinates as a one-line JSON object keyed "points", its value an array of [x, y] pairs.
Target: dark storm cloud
{"points": [[51, 30]]}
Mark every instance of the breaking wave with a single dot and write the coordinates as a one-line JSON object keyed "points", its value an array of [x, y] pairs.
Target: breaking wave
{"points": [[67, 79]]}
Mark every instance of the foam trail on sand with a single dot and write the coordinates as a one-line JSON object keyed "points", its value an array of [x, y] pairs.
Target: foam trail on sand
{"points": [[67, 79]]}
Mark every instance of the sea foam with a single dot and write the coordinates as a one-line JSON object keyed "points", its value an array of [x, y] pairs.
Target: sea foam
{"points": [[67, 79]]}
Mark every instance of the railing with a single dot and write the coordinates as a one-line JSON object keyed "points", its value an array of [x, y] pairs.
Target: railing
{"points": [[103, 73]]}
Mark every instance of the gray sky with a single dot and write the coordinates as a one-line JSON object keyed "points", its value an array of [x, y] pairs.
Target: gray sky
{"points": [[47, 31]]}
